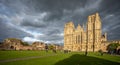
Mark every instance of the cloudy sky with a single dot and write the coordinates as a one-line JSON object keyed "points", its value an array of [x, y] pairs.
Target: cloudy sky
{"points": [[43, 20]]}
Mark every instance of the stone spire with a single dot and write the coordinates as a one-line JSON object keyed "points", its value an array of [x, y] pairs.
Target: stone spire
{"points": [[97, 17], [89, 18], [78, 27], [106, 36], [97, 14], [71, 24], [83, 26]]}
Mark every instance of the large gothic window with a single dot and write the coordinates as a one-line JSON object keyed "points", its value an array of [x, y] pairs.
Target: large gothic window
{"points": [[79, 39], [76, 39]]}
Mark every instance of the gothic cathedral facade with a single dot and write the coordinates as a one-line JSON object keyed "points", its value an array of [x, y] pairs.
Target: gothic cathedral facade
{"points": [[78, 39]]}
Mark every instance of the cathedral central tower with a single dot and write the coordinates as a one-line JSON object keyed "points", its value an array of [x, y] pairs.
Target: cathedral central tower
{"points": [[94, 32]]}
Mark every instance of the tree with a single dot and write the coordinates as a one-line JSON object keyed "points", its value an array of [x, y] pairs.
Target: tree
{"points": [[25, 43], [86, 52], [101, 52], [112, 47], [51, 47]]}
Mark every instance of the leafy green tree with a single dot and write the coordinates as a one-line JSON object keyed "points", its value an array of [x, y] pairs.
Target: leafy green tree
{"points": [[51, 47], [101, 52], [25, 43], [112, 47]]}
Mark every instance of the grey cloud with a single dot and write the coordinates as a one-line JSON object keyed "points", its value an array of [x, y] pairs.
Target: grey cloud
{"points": [[10, 32], [33, 23], [53, 37], [27, 15]]}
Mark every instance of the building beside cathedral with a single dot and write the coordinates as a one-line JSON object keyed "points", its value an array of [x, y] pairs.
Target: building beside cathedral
{"points": [[75, 39]]}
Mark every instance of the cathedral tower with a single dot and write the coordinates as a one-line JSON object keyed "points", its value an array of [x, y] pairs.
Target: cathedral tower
{"points": [[90, 33], [94, 32], [97, 32], [68, 36]]}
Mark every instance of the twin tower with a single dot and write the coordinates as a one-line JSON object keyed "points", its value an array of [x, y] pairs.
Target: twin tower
{"points": [[78, 39]]}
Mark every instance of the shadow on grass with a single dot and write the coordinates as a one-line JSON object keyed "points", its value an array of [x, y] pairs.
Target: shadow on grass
{"points": [[85, 60]]}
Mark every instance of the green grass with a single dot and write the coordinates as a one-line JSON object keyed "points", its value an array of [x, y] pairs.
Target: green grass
{"points": [[73, 58], [20, 54]]}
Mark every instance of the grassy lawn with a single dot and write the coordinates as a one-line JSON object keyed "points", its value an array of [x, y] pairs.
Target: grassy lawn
{"points": [[73, 58], [20, 54]]}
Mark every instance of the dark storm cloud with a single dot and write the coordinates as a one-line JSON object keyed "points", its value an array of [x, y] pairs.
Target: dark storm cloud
{"points": [[32, 23], [43, 20], [110, 15], [8, 31]]}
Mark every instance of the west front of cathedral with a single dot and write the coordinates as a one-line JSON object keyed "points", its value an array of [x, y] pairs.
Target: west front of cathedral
{"points": [[80, 39]]}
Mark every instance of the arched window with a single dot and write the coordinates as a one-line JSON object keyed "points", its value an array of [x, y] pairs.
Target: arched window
{"points": [[79, 39]]}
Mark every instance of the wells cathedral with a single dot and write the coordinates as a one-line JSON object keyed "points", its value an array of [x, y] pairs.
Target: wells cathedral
{"points": [[75, 39]]}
